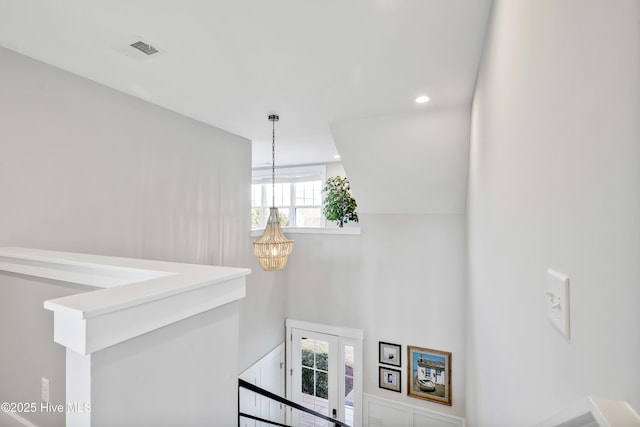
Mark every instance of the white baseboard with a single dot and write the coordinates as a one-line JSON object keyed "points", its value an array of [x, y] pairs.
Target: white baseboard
{"points": [[18, 419]]}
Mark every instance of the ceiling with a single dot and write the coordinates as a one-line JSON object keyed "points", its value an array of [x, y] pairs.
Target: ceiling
{"points": [[231, 63]]}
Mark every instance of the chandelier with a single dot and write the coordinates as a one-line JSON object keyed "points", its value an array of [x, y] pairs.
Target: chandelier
{"points": [[273, 248]]}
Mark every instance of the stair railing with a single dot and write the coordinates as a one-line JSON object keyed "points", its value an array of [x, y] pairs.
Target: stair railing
{"points": [[269, 395]]}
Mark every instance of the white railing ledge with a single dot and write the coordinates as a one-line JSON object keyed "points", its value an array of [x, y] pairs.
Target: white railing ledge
{"points": [[612, 413], [353, 231], [594, 411], [124, 297]]}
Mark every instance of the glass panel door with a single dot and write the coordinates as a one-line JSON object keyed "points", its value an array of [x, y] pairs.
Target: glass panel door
{"points": [[314, 373], [324, 364]]}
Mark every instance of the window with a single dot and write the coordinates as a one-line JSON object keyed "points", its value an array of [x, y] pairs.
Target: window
{"points": [[298, 196], [348, 383], [308, 203]]}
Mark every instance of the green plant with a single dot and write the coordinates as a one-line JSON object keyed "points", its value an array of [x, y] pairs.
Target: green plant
{"points": [[255, 218], [283, 218], [315, 381], [339, 205]]}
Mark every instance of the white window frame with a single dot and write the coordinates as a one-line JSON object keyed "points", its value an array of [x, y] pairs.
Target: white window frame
{"points": [[290, 175]]}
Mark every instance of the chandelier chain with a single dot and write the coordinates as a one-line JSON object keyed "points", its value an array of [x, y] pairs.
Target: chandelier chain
{"points": [[273, 165]]}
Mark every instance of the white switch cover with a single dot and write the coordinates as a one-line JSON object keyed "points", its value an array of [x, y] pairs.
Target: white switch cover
{"points": [[558, 301], [44, 390]]}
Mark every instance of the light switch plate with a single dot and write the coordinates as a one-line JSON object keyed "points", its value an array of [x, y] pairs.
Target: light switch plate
{"points": [[558, 301], [44, 390]]}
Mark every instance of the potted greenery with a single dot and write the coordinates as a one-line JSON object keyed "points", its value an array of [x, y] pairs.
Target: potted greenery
{"points": [[339, 205]]}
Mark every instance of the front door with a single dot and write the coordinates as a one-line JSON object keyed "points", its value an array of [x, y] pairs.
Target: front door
{"points": [[325, 372], [314, 376]]}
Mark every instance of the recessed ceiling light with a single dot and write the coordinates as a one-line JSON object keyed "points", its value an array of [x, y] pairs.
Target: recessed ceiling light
{"points": [[422, 99], [337, 156]]}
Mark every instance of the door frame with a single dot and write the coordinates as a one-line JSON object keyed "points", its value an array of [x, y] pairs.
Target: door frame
{"points": [[346, 336]]}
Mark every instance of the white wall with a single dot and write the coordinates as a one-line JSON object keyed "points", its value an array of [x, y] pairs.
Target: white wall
{"points": [[335, 169], [554, 182], [178, 375], [407, 163], [400, 281], [89, 169], [262, 312], [85, 168], [27, 350]]}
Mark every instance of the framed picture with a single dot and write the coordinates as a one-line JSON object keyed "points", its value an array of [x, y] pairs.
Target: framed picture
{"points": [[390, 379], [429, 374], [390, 354]]}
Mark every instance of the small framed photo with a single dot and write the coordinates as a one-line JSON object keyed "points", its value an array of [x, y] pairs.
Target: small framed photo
{"points": [[390, 354], [429, 374], [390, 379]]}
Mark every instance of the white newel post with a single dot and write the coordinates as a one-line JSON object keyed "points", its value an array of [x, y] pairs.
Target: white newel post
{"points": [[78, 377]]}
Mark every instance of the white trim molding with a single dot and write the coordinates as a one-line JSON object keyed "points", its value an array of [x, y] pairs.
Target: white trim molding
{"points": [[595, 411], [345, 337], [378, 411], [341, 331], [353, 231], [130, 297]]}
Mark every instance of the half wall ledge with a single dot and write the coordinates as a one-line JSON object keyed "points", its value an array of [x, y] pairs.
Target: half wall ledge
{"points": [[125, 297]]}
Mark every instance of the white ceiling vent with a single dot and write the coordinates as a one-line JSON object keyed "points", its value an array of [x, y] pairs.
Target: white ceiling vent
{"points": [[147, 49], [138, 48]]}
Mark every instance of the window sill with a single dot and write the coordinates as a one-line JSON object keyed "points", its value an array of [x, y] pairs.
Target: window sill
{"points": [[312, 230]]}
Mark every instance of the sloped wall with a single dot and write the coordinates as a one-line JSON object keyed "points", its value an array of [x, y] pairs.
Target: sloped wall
{"points": [[554, 182], [407, 163], [85, 168]]}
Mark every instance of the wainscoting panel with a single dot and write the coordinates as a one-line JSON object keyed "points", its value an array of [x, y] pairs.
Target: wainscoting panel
{"points": [[269, 374], [383, 412]]}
